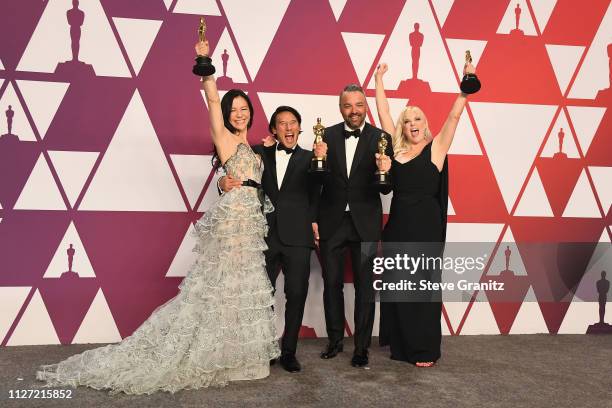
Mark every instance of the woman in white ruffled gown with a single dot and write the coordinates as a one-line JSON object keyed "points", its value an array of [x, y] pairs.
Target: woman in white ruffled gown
{"points": [[220, 327]]}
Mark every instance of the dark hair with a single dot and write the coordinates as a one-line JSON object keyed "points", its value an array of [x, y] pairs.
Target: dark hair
{"points": [[226, 107], [226, 110], [282, 109]]}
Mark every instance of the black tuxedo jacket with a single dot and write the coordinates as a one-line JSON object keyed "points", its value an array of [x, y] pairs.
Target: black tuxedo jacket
{"points": [[356, 188], [295, 200]]}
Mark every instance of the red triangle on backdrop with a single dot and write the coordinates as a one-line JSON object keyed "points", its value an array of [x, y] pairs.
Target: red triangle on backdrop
{"points": [[562, 27], [357, 16], [131, 253], [306, 56], [67, 300]]}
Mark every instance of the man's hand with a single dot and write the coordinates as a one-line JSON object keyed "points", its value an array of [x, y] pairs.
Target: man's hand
{"points": [[315, 232], [383, 162], [268, 141], [227, 183], [320, 149]]}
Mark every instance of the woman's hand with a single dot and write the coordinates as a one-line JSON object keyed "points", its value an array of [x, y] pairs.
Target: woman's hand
{"points": [[202, 48], [383, 162], [381, 70], [468, 68]]}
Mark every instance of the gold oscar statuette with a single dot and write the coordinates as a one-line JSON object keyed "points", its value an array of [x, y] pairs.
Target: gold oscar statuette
{"points": [[318, 164], [203, 66], [382, 177]]}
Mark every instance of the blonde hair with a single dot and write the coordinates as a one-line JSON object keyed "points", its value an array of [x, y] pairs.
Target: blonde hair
{"points": [[400, 142]]}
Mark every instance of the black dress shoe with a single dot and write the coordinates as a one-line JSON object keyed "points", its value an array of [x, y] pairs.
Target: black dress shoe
{"points": [[360, 359], [332, 350], [290, 363]]}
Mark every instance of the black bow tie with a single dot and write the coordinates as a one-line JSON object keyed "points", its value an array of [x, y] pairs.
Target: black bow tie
{"points": [[284, 148], [355, 133]]}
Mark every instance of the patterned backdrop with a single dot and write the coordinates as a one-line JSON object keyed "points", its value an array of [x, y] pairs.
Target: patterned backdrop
{"points": [[105, 148]]}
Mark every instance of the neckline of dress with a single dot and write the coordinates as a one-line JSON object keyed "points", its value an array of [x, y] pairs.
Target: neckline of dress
{"points": [[415, 157]]}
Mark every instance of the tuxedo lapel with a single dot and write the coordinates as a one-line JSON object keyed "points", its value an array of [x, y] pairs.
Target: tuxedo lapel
{"points": [[341, 154], [270, 153], [362, 147]]}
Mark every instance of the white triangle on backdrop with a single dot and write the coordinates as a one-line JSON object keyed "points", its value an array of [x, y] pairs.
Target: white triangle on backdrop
{"points": [[43, 100], [480, 318], [511, 154], [137, 36], [73, 169], [552, 144], [221, 94], [579, 316], [593, 75], [309, 106], [134, 174], [473, 232], [98, 325], [314, 315], [185, 256], [508, 22], [35, 326], [193, 171], [465, 141], [362, 49], [168, 3], [586, 121], [11, 300], [434, 65], [457, 49], [254, 35], [442, 8], [396, 107], [1, 65], [212, 193], [386, 199], [451, 209], [349, 306], [604, 237], [199, 7], [40, 191], [455, 312], [529, 319], [80, 264], [582, 202], [564, 60], [517, 266], [20, 127], [543, 10], [98, 45], [337, 7], [534, 202], [234, 67], [602, 179]]}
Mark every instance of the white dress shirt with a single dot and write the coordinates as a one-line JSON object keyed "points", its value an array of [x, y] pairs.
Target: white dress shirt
{"points": [[350, 145], [282, 161]]}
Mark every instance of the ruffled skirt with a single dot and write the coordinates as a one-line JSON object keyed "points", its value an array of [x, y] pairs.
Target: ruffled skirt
{"points": [[219, 328]]}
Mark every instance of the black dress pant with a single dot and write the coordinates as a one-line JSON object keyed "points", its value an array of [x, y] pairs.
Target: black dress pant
{"points": [[295, 264], [333, 255]]}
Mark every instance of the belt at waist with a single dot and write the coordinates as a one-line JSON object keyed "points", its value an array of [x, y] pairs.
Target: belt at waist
{"points": [[251, 183]]}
